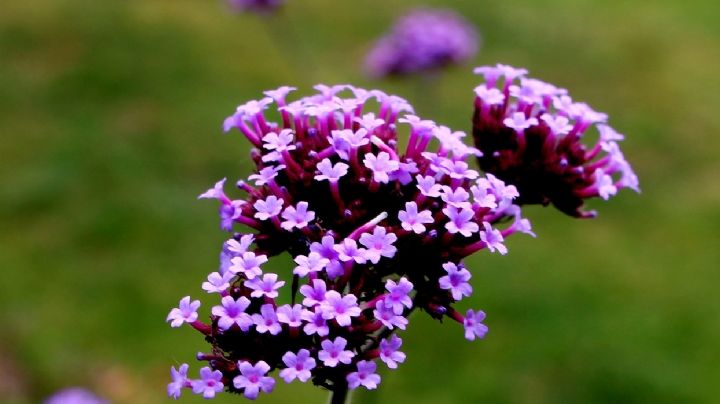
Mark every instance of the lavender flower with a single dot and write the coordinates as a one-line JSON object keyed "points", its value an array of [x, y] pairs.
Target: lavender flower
{"points": [[423, 40], [256, 6], [375, 232], [334, 352], [179, 381], [298, 366], [389, 352], [253, 380], [456, 281], [186, 312], [554, 150], [209, 384], [365, 376], [76, 395]]}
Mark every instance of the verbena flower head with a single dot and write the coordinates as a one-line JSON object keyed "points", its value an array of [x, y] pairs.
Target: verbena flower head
{"points": [[74, 395], [423, 40], [553, 149], [258, 6], [375, 231]]}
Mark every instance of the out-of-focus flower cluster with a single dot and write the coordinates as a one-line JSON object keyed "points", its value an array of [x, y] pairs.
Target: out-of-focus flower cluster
{"points": [[74, 395], [423, 40], [553, 149], [375, 231], [258, 6]]}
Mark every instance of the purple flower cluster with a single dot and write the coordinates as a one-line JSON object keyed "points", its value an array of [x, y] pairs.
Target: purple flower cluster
{"points": [[553, 149], [74, 395], [258, 6], [423, 40], [375, 231]]}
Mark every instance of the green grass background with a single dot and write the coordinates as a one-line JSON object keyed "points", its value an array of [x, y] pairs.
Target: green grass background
{"points": [[110, 116]]}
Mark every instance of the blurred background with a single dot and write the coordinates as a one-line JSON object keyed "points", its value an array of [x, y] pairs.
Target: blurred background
{"points": [[110, 126]]}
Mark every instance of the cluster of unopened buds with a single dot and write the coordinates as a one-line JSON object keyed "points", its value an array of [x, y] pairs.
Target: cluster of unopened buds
{"points": [[376, 230]]}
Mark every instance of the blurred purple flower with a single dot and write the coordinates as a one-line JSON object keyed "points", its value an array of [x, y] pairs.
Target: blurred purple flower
{"points": [[423, 40], [75, 395], [256, 6]]}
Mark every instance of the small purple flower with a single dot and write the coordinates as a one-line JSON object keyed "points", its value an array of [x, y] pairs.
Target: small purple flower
{"points": [[330, 172], [389, 351], [412, 220], [474, 328], [348, 251], [186, 312], [267, 286], [493, 239], [267, 321], [423, 40], [428, 187], [209, 384], [279, 142], [333, 352], [560, 125], [381, 165], [179, 381], [316, 323], [257, 6], [298, 366], [314, 294], [216, 192], [456, 281], [266, 175], [456, 197], [458, 170], [490, 96], [460, 221], [232, 312], [313, 262], [76, 395], [217, 283], [365, 376], [326, 248], [339, 307], [398, 297], [270, 207], [378, 244], [386, 315], [604, 184], [297, 217], [253, 379], [290, 315], [240, 247], [519, 121], [248, 264]]}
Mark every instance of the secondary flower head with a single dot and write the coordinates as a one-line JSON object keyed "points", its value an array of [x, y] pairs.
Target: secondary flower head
{"points": [[371, 227], [553, 149], [423, 40]]}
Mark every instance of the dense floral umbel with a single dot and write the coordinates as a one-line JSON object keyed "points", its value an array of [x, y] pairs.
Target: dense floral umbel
{"points": [[260, 6], [554, 150], [375, 231], [424, 39]]}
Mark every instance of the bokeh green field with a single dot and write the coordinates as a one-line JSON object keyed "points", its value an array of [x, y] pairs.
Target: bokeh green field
{"points": [[110, 116]]}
